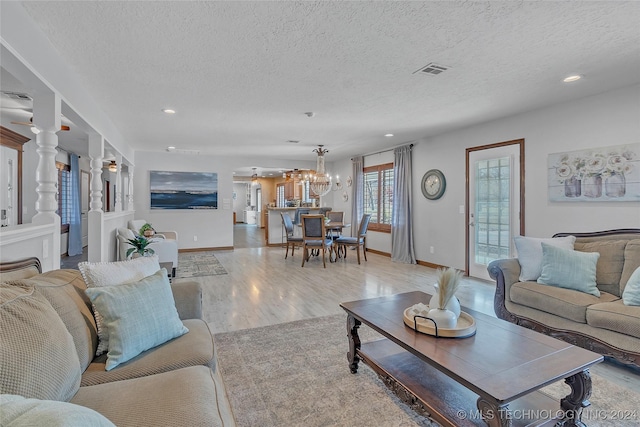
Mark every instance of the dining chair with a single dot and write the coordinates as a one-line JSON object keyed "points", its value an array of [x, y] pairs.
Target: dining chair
{"points": [[314, 237], [358, 241], [291, 241], [335, 217]]}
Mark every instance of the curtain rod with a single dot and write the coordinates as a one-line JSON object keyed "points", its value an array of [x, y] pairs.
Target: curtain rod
{"points": [[384, 151]]}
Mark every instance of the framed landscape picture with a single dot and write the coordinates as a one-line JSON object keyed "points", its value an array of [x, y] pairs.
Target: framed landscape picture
{"points": [[183, 190], [605, 174]]}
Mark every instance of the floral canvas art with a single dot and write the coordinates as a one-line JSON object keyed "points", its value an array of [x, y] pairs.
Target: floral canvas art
{"points": [[597, 175]]}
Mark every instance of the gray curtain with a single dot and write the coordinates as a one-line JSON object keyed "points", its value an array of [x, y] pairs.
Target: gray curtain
{"points": [[357, 198], [75, 222], [402, 249]]}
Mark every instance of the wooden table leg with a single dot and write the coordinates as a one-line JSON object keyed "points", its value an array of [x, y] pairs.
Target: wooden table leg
{"points": [[578, 399], [492, 414], [354, 342]]}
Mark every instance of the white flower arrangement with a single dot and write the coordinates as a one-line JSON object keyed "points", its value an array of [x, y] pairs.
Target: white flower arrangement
{"points": [[592, 163]]}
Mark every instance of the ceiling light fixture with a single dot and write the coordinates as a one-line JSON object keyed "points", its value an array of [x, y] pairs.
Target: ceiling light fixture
{"points": [[388, 135], [320, 182], [573, 78], [113, 167], [168, 111]]}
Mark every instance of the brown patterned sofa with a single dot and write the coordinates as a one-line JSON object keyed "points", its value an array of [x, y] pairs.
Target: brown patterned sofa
{"points": [[602, 324], [172, 384]]}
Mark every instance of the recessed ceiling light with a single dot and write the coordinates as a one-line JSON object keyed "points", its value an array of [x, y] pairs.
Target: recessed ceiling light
{"points": [[169, 111], [388, 134], [171, 148], [572, 78]]}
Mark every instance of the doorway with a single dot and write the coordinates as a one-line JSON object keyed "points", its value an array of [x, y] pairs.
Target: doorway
{"points": [[495, 203]]}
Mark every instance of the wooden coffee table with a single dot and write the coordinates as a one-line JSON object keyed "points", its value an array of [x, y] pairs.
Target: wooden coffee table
{"points": [[490, 378]]}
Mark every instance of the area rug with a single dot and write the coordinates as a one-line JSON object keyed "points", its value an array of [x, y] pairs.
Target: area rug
{"points": [[296, 374], [198, 264]]}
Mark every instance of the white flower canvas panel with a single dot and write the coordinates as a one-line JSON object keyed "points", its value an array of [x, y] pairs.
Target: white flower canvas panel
{"points": [[606, 174]]}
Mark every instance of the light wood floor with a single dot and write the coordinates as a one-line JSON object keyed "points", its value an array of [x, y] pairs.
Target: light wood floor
{"points": [[262, 288]]}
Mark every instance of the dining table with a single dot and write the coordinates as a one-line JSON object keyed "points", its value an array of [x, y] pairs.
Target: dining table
{"points": [[333, 230]]}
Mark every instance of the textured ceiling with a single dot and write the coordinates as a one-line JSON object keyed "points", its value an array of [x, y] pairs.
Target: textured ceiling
{"points": [[241, 75]]}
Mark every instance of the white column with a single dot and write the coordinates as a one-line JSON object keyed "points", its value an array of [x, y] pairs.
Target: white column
{"points": [[46, 121], [118, 203], [130, 201], [97, 251]]}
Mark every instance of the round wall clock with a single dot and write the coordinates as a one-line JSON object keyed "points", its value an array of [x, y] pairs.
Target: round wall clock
{"points": [[433, 184], [345, 196]]}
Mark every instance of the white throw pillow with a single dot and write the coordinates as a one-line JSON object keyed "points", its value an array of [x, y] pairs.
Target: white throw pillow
{"points": [[99, 274], [530, 253]]}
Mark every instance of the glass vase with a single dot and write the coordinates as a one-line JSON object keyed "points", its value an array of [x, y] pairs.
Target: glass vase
{"points": [[592, 186], [572, 187], [615, 185]]}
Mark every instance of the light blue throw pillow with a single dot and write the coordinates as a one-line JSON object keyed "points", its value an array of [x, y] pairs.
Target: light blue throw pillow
{"points": [[138, 316], [631, 294], [16, 411], [566, 268]]}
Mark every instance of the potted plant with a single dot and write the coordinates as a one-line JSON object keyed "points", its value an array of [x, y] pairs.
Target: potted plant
{"points": [[139, 244], [147, 230]]}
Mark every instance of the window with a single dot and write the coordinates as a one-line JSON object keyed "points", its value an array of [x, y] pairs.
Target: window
{"points": [[64, 196], [378, 196]]}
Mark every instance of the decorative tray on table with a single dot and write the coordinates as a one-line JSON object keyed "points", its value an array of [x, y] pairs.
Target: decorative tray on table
{"points": [[465, 327]]}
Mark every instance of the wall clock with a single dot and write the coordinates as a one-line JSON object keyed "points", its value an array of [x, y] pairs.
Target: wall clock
{"points": [[433, 184], [345, 196]]}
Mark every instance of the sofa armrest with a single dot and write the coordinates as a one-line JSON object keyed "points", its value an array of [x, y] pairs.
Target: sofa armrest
{"points": [[505, 272], [188, 297], [173, 235]]}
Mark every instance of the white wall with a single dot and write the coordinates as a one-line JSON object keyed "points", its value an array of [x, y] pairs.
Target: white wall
{"points": [[213, 227], [28, 240], [612, 118], [597, 121]]}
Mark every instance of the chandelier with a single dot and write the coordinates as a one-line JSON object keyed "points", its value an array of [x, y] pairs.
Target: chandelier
{"points": [[320, 182]]}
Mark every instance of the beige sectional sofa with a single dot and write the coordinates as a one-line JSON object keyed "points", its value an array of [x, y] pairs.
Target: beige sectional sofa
{"points": [[602, 324], [173, 384]]}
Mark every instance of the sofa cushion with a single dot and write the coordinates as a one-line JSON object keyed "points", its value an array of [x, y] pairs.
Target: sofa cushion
{"points": [[98, 274], [566, 303], [569, 269], [126, 233], [138, 316], [615, 316], [530, 253], [610, 263], [20, 412], [64, 289], [37, 356], [631, 261], [192, 349], [184, 397], [631, 294]]}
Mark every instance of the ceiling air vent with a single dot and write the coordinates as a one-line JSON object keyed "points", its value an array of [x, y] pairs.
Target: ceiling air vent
{"points": [[293, 141], [17, 95], [432, 68]]}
